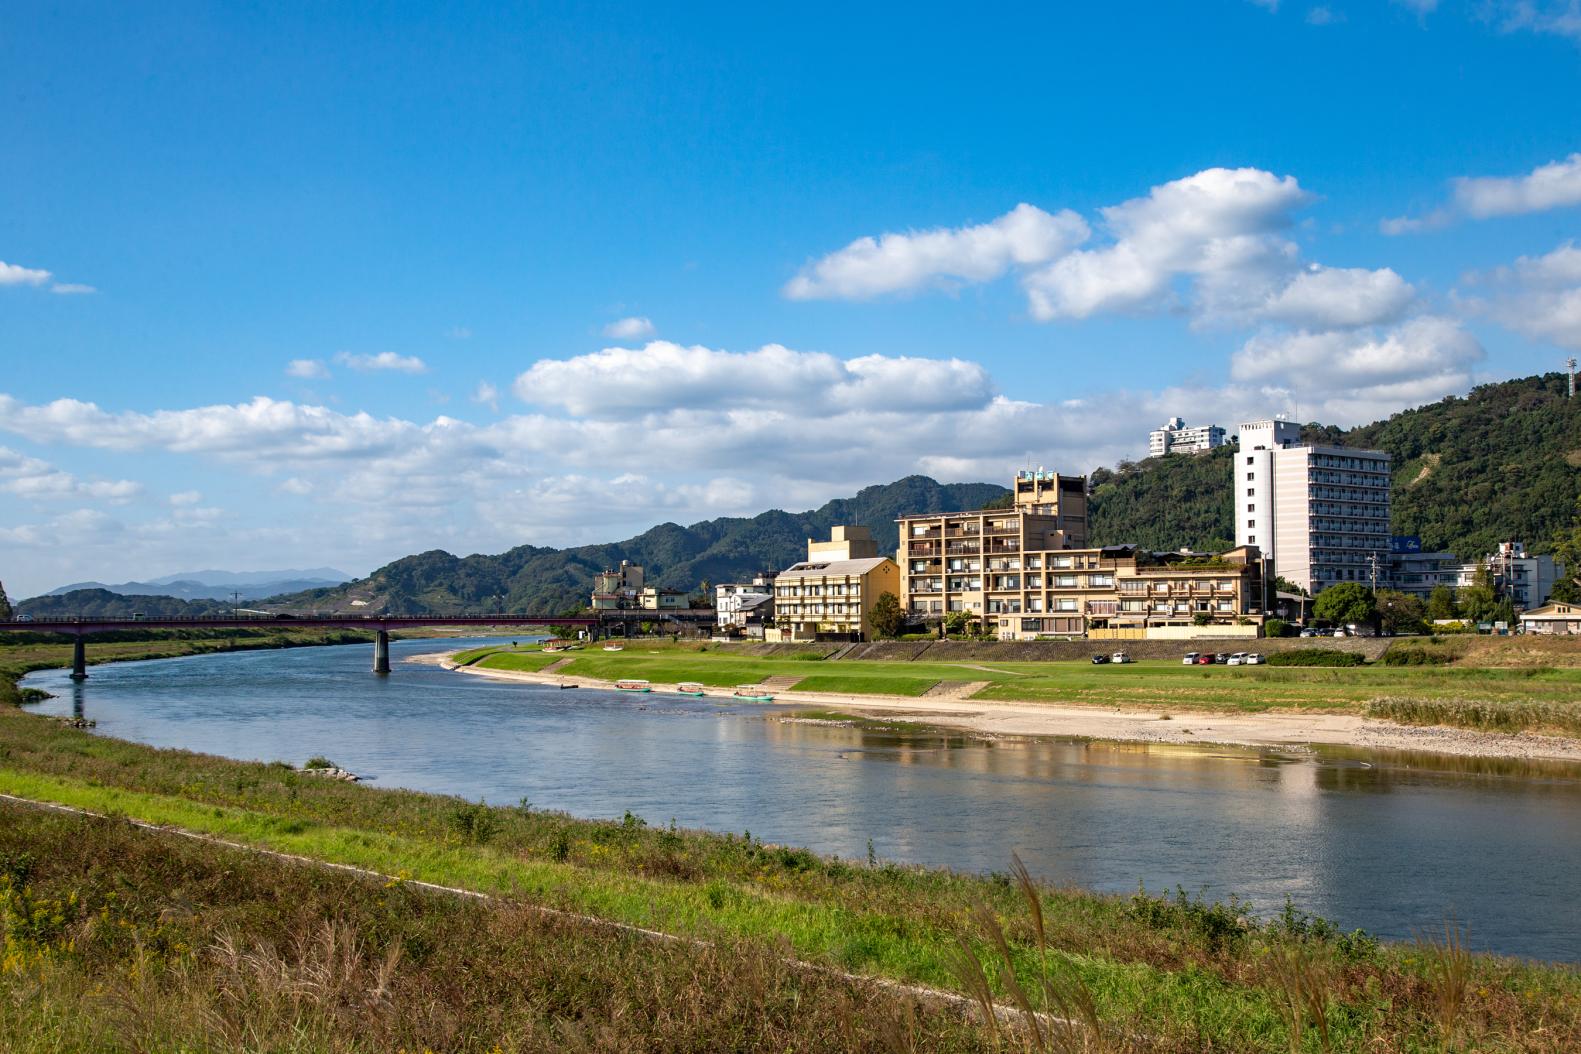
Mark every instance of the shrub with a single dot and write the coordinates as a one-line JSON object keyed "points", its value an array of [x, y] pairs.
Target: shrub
{"points": [[1484, 714], [319, 761], [1416, 655], [1275, 627], [1315, 657], [475, 824]]}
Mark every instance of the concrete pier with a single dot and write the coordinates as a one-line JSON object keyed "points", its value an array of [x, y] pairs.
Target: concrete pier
{"points": [[381, 652], [79, 659]]}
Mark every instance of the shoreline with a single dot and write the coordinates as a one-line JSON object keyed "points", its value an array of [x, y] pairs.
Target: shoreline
{"points": [[1133, 725]]}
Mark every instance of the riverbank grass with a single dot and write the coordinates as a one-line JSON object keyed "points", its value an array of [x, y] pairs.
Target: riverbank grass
{"points": [[1185, 974]]}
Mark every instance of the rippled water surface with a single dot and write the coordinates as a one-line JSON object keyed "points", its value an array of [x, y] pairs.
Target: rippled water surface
{"points": [[1391, 843]]}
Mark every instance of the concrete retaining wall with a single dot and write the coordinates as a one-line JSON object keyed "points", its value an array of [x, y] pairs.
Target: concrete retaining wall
{"points": [[1057, 650]]}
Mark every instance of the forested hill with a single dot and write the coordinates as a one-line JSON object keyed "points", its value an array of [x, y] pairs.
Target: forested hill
{"points": [[532, 579], [1502, 463]]}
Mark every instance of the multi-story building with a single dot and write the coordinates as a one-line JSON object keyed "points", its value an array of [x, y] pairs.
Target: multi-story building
{"points": [[1526, 581], [618, 589], [738, 604], [1176, 438], [833, 591], [953, 561], [653, 598], [1319, 513]]}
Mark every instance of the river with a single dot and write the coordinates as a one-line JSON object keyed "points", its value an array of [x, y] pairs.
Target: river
{"points": [[1390, 843]]}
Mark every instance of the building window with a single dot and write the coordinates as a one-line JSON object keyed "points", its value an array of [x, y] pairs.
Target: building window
{"points": [[1251, 492], [1250, 524], [1251, 539], [1250, 507], [1248, 461]]}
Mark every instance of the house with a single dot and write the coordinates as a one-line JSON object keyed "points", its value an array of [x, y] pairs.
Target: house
{"points": [[1556, 618]]}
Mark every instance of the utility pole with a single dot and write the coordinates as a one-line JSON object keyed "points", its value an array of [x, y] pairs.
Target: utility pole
{"points": [[1372, 564], [1571, 363], [236, 598]]}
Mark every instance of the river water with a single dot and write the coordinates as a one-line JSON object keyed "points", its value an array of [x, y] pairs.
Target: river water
{"points": [[1393, 843]]}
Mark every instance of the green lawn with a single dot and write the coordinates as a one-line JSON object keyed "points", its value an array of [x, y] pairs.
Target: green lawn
{"points": [[1157, 683]]}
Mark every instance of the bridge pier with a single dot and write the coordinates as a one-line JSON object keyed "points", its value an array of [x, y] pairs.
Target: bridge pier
{"points": [[79, 659], [381, 652]]}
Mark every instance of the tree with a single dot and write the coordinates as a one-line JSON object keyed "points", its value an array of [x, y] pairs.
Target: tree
{"points": [[1441, 604], [1284, 585], [1566, 591], [1479, 604], [955, 622], [1346, 603], [1401, 612], [1202, 618], [887, 616], [5, 604]]}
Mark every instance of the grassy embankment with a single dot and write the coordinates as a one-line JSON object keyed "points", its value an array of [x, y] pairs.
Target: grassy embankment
{"points": [[1451, 682], [1185, 975]]}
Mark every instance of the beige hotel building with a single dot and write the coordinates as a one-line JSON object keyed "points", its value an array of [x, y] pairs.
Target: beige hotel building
{"points": [[1027, 572]]}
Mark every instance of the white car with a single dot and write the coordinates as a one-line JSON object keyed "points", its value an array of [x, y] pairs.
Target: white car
{"points": [[1237, 659], [1120, 657], [1190, 659], [1254, 659]]}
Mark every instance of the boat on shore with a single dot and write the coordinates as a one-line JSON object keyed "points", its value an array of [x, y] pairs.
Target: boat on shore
{"points": [[614, 647], [689, 688], [633, 685], [752, 693]]}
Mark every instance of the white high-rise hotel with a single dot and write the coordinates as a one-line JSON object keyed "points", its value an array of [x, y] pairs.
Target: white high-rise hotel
{"points": [[1320, 514]]}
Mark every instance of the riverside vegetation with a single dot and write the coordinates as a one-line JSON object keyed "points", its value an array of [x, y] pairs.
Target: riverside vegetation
{"points": [[124, 939], [1457, 684]]}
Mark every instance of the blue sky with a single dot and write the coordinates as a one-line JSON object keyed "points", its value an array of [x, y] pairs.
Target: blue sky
{"points": [[335, 284]]}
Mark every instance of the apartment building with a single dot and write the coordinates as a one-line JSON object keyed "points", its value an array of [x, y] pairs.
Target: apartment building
{"points": [[952, 561], [738, 604], [1176, 438], [1319, 513], [618, 589], [833, 591]]}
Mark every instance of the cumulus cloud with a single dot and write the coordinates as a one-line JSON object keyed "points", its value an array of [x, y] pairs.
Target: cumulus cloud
{"points": [[487, 395], [38, 480], [898, 263], [1539, 296], [1340, 297], [307, 369], [1363, 373], [1555, 185], [633, 328], [384, 360], [186, 498], [1552, 17], [15, 274], [663, 375], [1218, 226], [296, 486]]}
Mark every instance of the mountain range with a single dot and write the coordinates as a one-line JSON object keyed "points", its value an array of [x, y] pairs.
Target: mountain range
{"points": [[219, 585], [1501, 463]]}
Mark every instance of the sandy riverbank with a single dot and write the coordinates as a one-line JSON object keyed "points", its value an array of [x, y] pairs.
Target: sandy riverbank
{"points": [[1137, 725]]}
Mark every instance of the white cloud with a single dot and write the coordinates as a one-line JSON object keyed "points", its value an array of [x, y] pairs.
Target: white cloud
{"points": [[296, 486], [487, 395], [1324, 16], [633, 328], [38, 480], [1217, 227], [897, 263], [1338, 298], [71, 289], [459, 333], [186, 498], [384, 360], [15, 274], [1555, 185], [307, 369], [1539, 297], [1552, 17], [1361, 374], [618, 381]]}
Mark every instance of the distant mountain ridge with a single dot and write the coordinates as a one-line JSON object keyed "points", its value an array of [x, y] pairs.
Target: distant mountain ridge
{"points": [[219, 585], [535, 580]]}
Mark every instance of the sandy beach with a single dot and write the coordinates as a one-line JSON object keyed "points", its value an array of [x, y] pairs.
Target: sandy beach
{"points": [[1133, 724]]}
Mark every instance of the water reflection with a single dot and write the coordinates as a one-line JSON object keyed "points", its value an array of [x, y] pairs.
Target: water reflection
{"points": [[1389, 842]]}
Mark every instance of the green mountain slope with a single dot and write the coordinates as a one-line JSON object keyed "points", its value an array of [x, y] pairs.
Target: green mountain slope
{"points": [[1502, 463], [540, 580]]}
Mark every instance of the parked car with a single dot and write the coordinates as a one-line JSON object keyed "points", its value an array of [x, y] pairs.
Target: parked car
{"points": [[1341, 631], [1120, 657], [1309, 632], [1255, 659], [1205, 659], [1236, 659], [1099, 660], [1222, 659], [1190, 659]]}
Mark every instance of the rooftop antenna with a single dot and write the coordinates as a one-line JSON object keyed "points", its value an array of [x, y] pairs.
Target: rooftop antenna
{"points": [[1572, 364]]}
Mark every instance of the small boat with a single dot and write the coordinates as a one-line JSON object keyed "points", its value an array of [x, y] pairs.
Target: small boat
{"points": [[629, 685], [689, 688], [614, 647], [752, 693]]}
